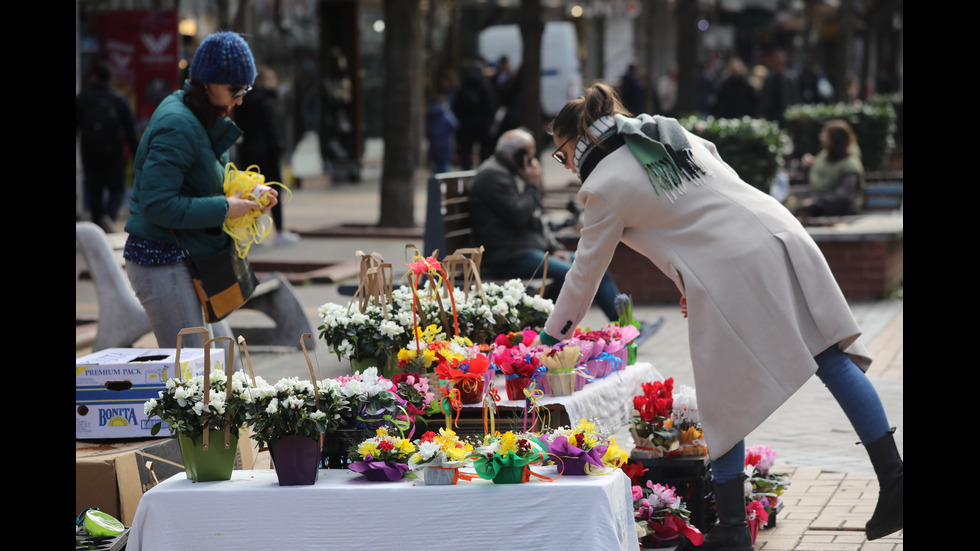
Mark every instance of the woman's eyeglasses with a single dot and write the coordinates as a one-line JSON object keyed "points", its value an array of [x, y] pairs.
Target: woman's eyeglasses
{"points": [[239, 91], [559, 155]]}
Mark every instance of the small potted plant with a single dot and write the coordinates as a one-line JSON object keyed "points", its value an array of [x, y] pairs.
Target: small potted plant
{"points": [[439, 457], [382, 457], [205, 413], [651, 424], [506, 459], [290, 417], [584, 449], [763, 500], [661, 517]]}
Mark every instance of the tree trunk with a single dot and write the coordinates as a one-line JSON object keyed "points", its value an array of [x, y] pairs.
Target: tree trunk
{"points": [[687, 57], [400, 109], [532, 29]]}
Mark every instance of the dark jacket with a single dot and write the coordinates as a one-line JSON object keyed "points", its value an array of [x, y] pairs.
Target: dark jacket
{"points": [[506, 214], [92, 99], [179, 177]]}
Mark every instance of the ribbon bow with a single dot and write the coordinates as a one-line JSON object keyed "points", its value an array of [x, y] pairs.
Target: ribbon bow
{"points": [[532, 394], [450, 401]]}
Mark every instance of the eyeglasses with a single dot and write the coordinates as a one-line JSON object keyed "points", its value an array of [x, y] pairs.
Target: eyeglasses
{"points": [[239, 91], [559, 155]]}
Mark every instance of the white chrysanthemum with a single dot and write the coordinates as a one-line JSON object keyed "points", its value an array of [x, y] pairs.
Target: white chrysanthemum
{"points": [[428, 450]]}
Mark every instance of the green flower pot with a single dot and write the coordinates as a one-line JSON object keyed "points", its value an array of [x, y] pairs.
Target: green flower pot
{"points": [[512, 475], [214, 464], [630, 353]]}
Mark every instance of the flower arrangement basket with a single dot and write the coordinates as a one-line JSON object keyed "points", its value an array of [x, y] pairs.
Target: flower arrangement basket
{"points": [[293, 427], [204, 462]]}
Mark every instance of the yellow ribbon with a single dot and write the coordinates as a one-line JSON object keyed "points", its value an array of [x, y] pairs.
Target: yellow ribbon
{"points": [[533, 393], [254, 226]]}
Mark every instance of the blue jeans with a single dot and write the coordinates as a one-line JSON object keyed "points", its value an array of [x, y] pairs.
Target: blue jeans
{"points": [[524, 267], [852, 390]]}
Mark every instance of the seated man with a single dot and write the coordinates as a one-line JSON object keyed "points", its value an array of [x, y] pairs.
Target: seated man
{"points": [[505, 209]]}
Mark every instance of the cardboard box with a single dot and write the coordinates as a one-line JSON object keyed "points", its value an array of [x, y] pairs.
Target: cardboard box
{"points": [[112, 385], [114, 476]]}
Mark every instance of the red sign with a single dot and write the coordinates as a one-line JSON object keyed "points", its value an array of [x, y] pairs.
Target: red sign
{"points": [[143, 51]]}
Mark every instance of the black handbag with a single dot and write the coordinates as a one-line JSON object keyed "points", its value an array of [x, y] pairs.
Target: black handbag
{"points": [[223, 281]]}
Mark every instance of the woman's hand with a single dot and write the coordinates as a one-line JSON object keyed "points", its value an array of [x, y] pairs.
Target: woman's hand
{"points": [[240, 207], [273, 196], [684, 306]]}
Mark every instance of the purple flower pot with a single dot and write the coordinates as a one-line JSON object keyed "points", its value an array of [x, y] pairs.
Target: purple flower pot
{"points": [[296, 459]]}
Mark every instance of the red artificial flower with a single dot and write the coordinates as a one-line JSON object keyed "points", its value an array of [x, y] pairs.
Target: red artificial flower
{"points": [[385, 446], [635, 471], [428, 436]]}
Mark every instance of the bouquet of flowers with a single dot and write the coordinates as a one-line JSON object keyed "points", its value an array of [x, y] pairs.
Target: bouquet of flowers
{"points": [[608, 352], [413, 388], [505, 459], [560, 361], [685, 418], [382, 457], [439, 457], [372, 400], [520, 365], [584, 448], [181, 405], [651, 424], [766, 485], [290, 407], [661, 516]]}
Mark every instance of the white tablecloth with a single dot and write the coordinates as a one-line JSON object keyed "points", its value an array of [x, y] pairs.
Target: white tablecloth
{"points": [[608, 401], [345, 512]]}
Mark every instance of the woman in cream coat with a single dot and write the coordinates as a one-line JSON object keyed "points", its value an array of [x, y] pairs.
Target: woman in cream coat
{"points": [[765, 312]]}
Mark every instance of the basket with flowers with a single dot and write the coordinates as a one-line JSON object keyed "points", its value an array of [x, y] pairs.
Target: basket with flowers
{"points": [[584, 449], [382, 457], [506, 459], [439, 457]]}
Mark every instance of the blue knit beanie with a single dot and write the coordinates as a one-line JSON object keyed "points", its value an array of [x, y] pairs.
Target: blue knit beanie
{"points": [[223, 58]]}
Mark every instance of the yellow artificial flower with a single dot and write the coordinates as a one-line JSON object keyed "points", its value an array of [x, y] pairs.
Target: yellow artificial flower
{"points": [[405, 446], [508, 443], [382, 431], [368, 447], [405, 355], [615, 456]]}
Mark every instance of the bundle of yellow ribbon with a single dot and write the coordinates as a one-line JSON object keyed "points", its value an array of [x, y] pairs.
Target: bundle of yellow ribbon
{"points": [[255, 226]]}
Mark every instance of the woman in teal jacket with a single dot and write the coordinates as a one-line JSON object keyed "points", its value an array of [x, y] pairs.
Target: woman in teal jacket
{"points": [[178, 189]]}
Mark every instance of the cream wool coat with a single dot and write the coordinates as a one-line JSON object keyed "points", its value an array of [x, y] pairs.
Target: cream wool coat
{"points": [[761, 299]]}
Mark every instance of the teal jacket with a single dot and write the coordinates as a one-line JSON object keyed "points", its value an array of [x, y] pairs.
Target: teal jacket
{"points": [[179, 179]]}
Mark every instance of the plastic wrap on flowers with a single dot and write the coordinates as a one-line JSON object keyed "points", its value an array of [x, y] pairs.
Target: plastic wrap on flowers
{"points": [[516, 384], [504, 469], [466, 376], [577, 461], [380, 471]]}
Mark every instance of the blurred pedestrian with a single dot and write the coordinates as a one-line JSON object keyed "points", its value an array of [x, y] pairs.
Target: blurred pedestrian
{"points": [[632, 90], [440, 130], [779, 90], [104, 123], [179, 201], [258, 118], [474, 109], [736, 97], [667, 91]]}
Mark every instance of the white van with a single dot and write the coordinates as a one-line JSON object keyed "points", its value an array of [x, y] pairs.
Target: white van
{"points": [[561, 77]]}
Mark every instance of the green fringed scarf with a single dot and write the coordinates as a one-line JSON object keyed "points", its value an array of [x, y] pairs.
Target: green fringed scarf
{"points": [[661, 147]]}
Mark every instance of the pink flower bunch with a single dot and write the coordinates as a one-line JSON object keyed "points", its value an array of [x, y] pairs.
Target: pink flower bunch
{"points": [[760, 457]]}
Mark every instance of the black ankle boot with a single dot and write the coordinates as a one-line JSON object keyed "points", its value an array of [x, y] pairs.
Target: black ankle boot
{"points": [[731, 533], [888, 465]]}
